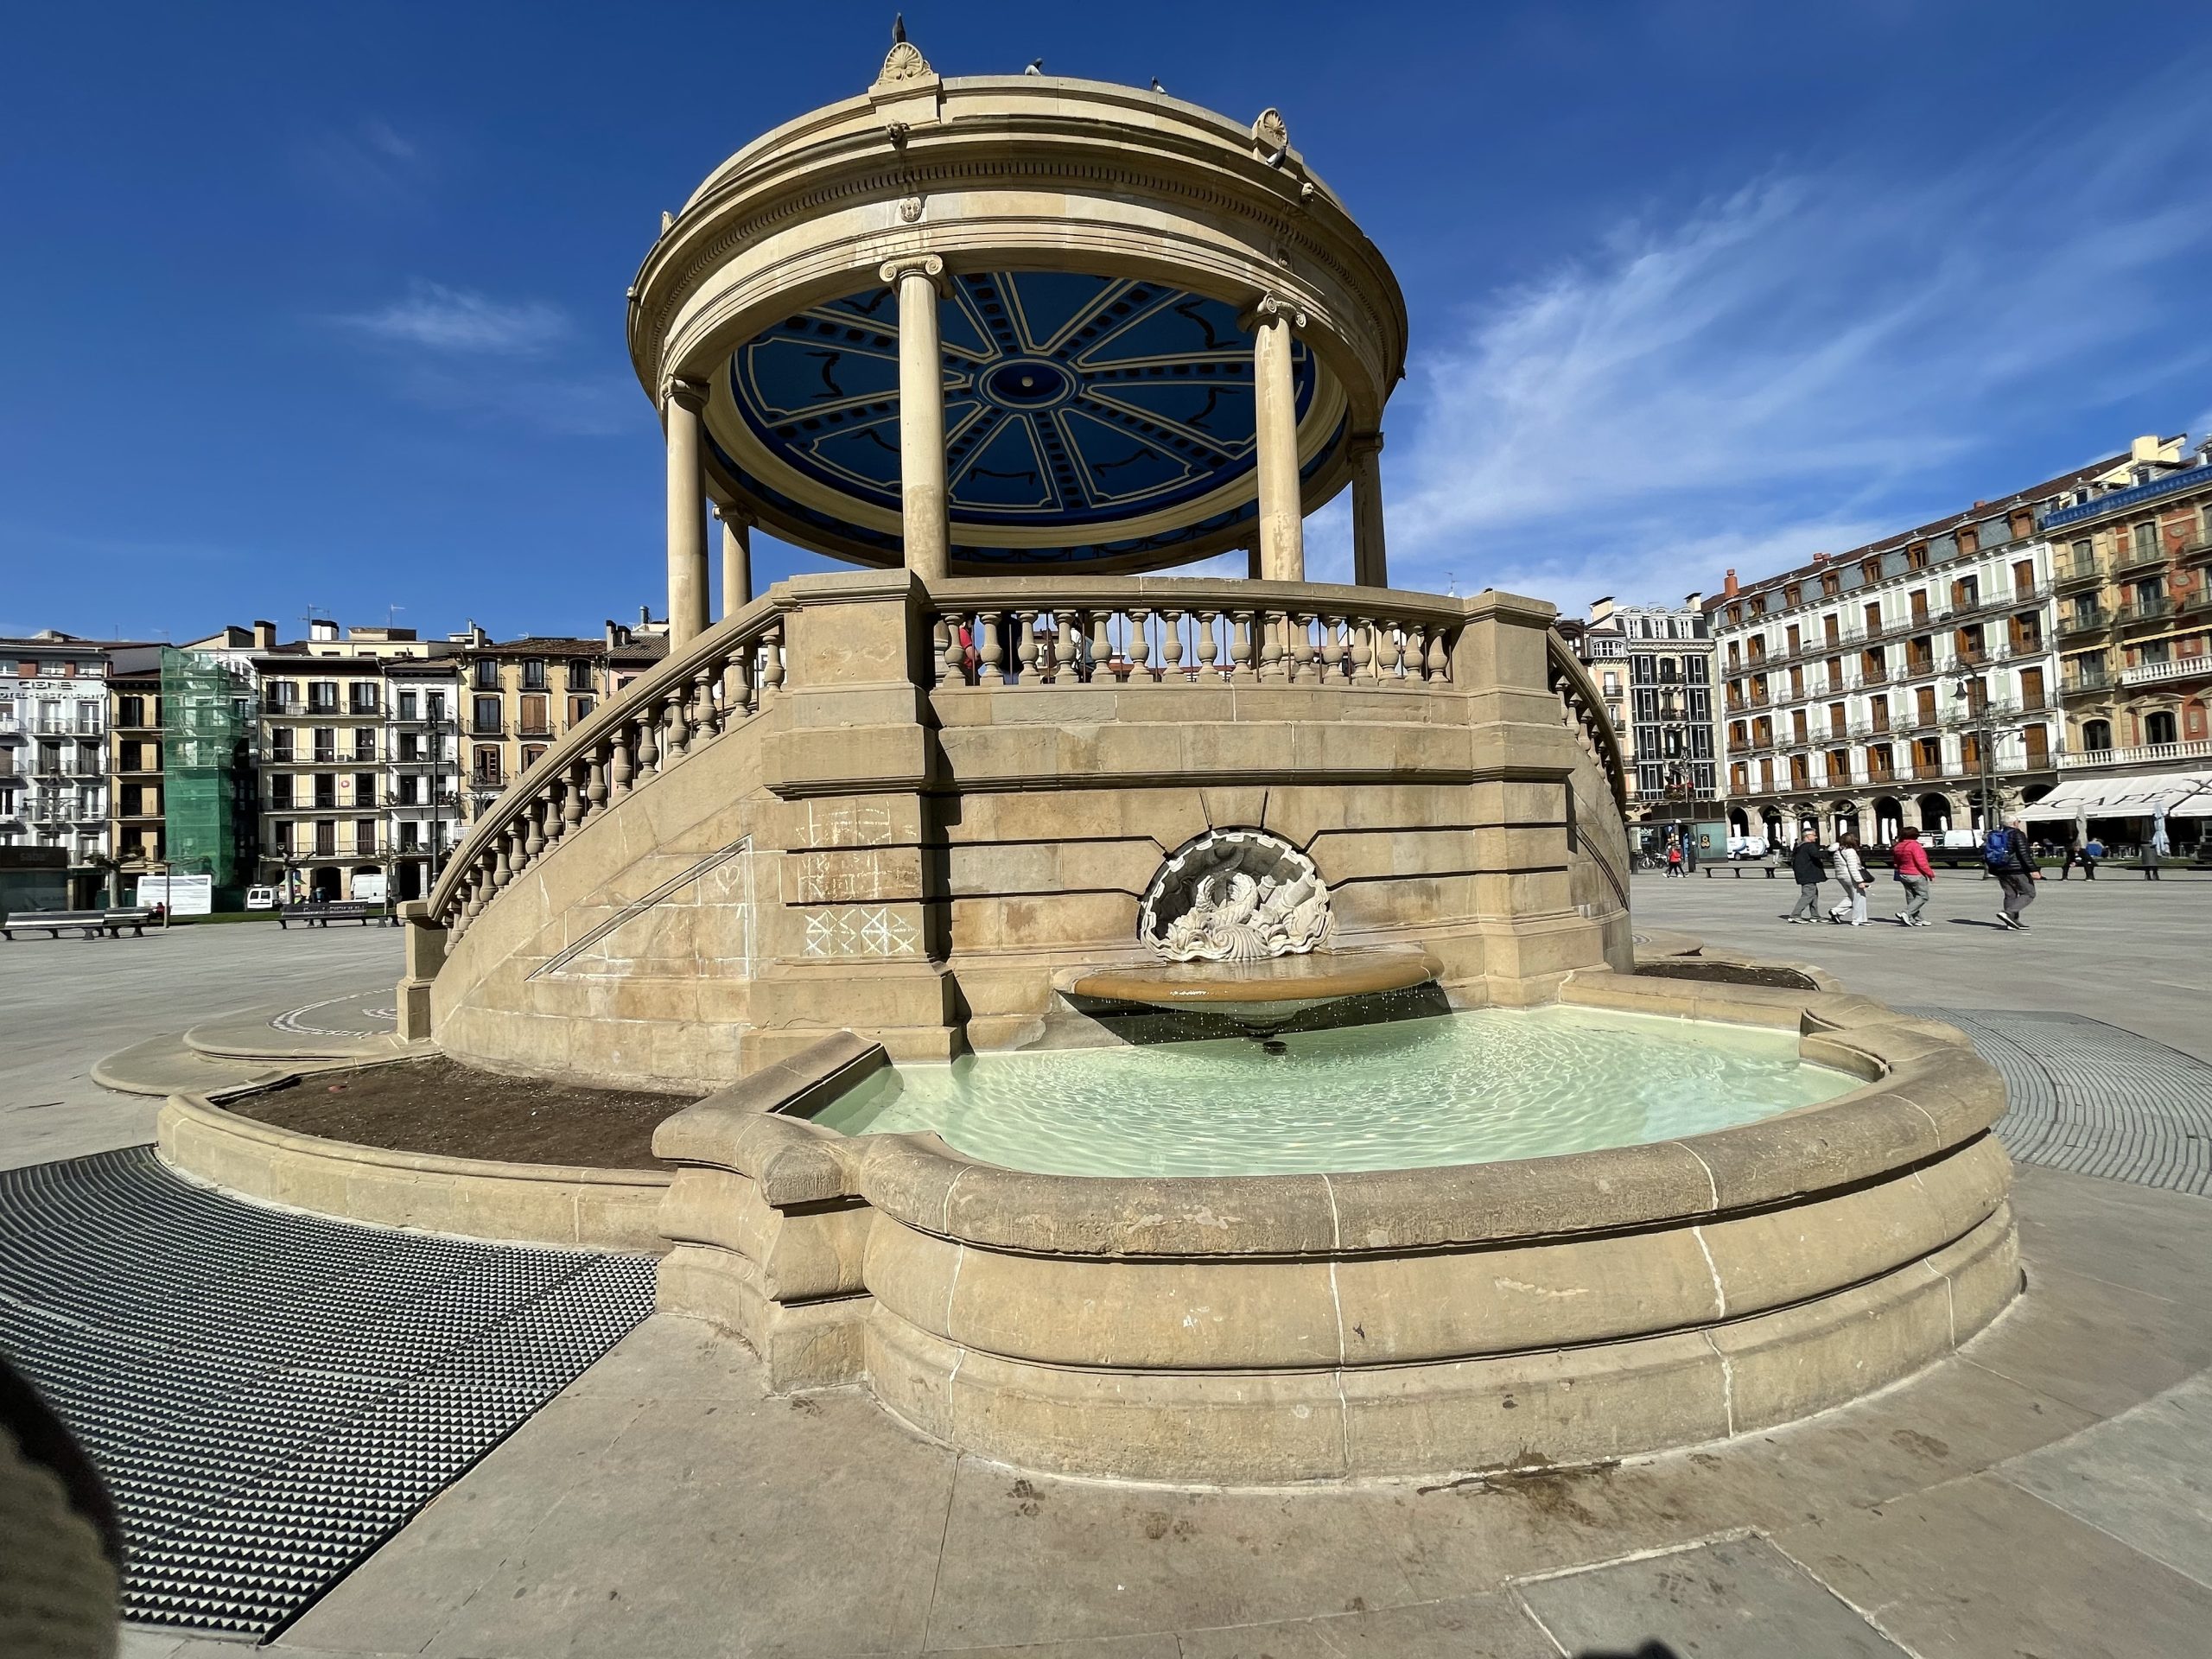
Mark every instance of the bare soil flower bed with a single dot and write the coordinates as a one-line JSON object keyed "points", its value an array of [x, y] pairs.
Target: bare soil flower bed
{"points": [[456, 1111]]}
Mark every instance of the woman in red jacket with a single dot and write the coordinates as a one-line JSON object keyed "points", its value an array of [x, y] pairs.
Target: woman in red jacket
{"points": [[1918, 875]]}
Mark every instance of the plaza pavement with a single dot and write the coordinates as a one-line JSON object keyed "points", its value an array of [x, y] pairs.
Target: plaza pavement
{"points": [[66, 1003], [2046, 1493], [2136, 953]]}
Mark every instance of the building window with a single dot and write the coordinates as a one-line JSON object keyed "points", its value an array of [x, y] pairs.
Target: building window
{"points": [[365, 789], [365, 743], [326, 744], [407, 701], [326, 790], [2097, 735], [280, 793], [533, 675], [322, 696], [533, 717], [2159, 728], [488, 768], [580, 675], [410, 791], [364, 697], [364, 834], [484, 718], [531, 752], [434, 706], [486, 675], [2146, 541]]}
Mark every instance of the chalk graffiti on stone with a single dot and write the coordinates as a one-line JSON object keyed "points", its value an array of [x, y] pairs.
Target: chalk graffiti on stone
{"points": [[861, 931]]}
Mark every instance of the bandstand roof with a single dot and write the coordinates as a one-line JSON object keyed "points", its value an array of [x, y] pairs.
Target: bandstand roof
{"points": [[1102, 248]]}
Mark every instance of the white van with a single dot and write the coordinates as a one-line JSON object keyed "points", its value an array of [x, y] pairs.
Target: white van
{"points": [[261, 897]]}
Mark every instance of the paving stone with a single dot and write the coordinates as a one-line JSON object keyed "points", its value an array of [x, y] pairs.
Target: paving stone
{"points": [[1978, 1569], [2096, 1345], [1468, 1627], [2145, 1477], [1736, 1599]]}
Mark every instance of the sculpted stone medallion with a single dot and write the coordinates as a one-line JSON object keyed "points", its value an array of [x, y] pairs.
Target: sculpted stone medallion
{"points": [[1234, 895]]}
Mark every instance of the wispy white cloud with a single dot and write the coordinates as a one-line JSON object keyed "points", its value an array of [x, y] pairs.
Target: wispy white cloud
{"points": [[1798, 365], [458, 320], [369, 164]]}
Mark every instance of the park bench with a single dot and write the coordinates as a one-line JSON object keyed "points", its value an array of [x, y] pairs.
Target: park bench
{"points": [[92, 922], [338, 910], [1739, 871]]}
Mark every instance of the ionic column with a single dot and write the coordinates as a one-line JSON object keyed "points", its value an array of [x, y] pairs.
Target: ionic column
{"points": [[1282, 518], [921, 415], [681, 404], [1369, 568], [737, 557]]}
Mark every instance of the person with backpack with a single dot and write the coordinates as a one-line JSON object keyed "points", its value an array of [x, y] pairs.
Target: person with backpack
{"points": [[1910, 860], [1810, 866], [2004, 850]]}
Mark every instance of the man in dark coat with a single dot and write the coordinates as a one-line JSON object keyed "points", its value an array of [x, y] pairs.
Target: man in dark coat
{"points": [[1810, 866]]}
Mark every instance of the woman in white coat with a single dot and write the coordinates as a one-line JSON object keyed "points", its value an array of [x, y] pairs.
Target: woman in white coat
{"points": [[1851, 870]]}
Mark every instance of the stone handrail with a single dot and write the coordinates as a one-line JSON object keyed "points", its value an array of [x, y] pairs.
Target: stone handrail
{"points": [[720, 680], [1587, 710], [1067, 631]]}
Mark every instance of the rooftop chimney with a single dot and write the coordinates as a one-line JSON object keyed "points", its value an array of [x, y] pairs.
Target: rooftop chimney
{"points": [[264, 635], [610, 634], [1691, 601], [322, 628], [644, 614], [1601, 610], [1728, 585]]}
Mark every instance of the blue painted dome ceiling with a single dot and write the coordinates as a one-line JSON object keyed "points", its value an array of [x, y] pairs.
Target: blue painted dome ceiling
{"points": [[1074, 403]]}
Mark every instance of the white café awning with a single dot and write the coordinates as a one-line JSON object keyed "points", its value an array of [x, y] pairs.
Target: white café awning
{"points": [[2179, 794]]}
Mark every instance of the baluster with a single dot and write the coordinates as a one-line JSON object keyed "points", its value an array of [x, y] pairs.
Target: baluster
{"points": [[1385, 650], [1332, 651], [1362, 649], [621, 771], [1439, 657], [503, 869], [1171, 644], [1063, 648], [1025, 646], [601, 758], [648, 744], [992, 651], [939, 669], [676, 741], [708, 718], [1102, 644], [1302, 652], [534, 842], [1209, 647], [952, 656], [1238, 626], [771, 663], [1271, 649], [574, 800], [1139, 645]]}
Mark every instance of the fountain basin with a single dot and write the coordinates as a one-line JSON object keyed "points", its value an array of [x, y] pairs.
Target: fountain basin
{"points": [[1270, 1328]]}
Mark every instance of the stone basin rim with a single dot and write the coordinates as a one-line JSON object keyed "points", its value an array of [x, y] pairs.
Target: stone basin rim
{"points": [[1927, 1095], [1313, 977]]}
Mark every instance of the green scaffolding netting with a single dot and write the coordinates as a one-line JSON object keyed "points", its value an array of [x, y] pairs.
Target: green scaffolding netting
{"points": [[207, 727]]}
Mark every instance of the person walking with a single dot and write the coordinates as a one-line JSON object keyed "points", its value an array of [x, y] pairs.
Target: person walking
{"points": [[2005, 851], [2148, 858], [1675, 860], [1909, 859], [1851, 870], [1810, 866]]}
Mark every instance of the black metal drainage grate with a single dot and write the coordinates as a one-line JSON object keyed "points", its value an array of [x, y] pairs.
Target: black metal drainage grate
{"points": [[2092, 1098], [271, 1394]]}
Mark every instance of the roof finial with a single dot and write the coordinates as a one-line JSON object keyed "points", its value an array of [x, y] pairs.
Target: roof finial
{"points": [[904, 60]]}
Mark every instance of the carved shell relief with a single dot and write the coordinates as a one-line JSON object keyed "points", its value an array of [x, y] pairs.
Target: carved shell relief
{"points": [[1234, 895]]}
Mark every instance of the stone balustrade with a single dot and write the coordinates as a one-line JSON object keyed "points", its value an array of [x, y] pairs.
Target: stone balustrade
{"points": [[718, 682], [1178, 631]]}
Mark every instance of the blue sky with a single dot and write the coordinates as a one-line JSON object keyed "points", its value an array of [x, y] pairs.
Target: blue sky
{"points": [[322, 307]]}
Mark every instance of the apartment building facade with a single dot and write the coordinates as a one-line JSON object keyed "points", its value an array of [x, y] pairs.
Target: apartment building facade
{"points": [[2133, 583], [137, 828], [520, 698], [1654, 665], [54, 765], [1913, 680]]}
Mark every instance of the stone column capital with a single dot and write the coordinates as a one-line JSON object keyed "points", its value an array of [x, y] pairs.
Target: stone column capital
{"points": [[1273, 308], [914, 264], [685, 392], [1364, 443], [731, 513]]}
